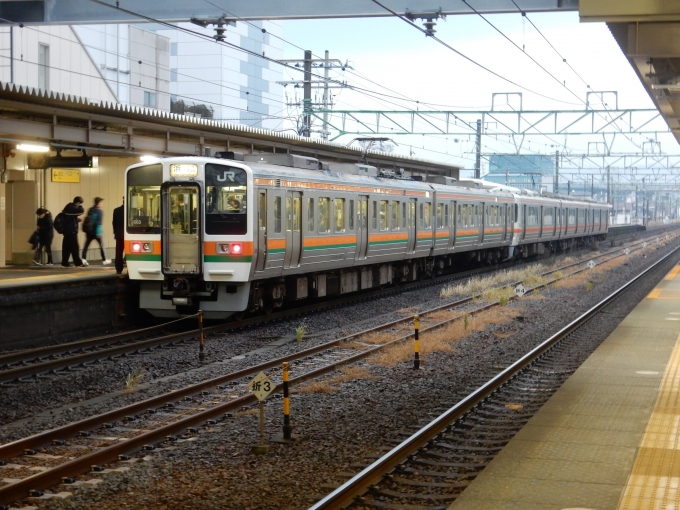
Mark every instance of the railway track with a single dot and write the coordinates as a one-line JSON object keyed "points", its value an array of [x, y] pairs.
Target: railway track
{"points": [[48, 458], [26, 365], [428, 469]]}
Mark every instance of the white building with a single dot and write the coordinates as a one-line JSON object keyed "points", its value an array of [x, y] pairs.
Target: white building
{"points": [[181, 70]]}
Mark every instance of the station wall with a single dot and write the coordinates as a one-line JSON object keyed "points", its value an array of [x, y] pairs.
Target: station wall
{"points": [[30, 189]]}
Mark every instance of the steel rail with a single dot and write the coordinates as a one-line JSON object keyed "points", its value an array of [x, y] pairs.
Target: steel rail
{"points": [[371, 475], [31, 369], [108, 454], [17, 447]]}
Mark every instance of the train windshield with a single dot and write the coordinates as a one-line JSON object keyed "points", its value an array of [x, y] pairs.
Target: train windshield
{"points": [[144, 199], [225, 200]]}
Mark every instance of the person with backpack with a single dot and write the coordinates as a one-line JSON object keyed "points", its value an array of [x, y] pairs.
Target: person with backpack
{"points": [[45, 229], [67, 221], [92, 226]]}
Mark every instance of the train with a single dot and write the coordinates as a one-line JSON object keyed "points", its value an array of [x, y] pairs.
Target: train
{"points": [[237, 233]]}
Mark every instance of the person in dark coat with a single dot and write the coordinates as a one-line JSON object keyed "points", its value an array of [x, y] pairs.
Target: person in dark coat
{"points": [[96, 216], [45, 228], [69, 246], [119, 234]]}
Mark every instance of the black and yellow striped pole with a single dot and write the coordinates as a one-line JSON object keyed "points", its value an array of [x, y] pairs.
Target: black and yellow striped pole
{"points": [[416, 342], [201, 354], [287, 429]]}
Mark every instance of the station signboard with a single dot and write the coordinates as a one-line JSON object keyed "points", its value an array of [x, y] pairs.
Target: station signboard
{"points": [[64, 175]]}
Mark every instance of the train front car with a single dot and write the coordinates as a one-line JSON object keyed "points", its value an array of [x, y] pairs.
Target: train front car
{"points": [[189, 239]]}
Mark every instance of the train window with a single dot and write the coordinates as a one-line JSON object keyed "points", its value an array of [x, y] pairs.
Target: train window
{"points": [[225, 200], [420, 221], [571, 216], [339, 214], [516, 215], [394, 216], [427, 215], [581, 217], [384, 214], [460, 216], [470, 216], [144, 199], [310, 215], [446, 215], [440, 215], [289, 214], [403, 215], [262, 211], [375, 216], [351, 215], [277, 215], [532, 216], [547, 216], [324, 215]]}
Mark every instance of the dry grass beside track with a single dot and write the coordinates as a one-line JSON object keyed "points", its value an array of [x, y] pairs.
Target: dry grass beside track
{"points": [[333, 383]]}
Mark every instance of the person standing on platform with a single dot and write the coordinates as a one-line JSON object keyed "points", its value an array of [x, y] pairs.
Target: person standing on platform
{"points": [[92, 226], [119, 234], [46, 232], [69, 246]]}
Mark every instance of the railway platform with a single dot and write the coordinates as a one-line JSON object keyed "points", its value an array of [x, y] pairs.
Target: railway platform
{"points": [[609, 438], [47, 304]]}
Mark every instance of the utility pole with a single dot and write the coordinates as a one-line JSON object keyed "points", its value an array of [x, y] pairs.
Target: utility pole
{"points": [[307, 100], [308, 63], [478, 149], [609, 186], [556, 188], [324, 131]]}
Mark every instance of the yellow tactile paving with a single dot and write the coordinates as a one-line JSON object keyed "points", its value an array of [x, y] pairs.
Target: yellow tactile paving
{"points": [[654, 482]]}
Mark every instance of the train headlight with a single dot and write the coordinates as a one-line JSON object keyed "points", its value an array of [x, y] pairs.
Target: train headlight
{"points": [[140, 247], [230, 248]]}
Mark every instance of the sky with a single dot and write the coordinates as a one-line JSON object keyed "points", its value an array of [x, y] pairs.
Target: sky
{"points": [[390, 57]]}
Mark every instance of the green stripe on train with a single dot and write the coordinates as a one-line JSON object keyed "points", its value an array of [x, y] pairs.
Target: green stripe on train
{"points": [[330, 246], [227, 258], [143, 257]]}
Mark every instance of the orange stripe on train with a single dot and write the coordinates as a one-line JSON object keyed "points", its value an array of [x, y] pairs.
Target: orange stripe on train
{"points": [[210, 248]]}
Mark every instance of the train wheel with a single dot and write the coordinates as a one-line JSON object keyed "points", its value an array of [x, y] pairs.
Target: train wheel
{"points": [[268, 308], [238, 316]]}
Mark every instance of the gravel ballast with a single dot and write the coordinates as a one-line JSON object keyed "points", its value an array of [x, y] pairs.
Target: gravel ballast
{"points": [[342, 430]]}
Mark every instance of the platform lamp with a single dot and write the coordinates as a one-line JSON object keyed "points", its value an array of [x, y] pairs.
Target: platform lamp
{"points": [[33, 147]]}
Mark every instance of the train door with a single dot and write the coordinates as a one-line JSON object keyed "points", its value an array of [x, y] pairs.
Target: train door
{"points": [[411, 226], [293, 229], [362, 227], [182, 250], [482, 218], [524, 222], [452, 222], [261, 231], [503, 211]]}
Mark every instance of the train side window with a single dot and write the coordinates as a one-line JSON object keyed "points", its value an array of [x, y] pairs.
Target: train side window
{"points": [[403, 215], [374, 219], [277, 215], [440, 215], [262, 210], [351, 215], [460, 216], [420, 217], [384, 213], [324, 215], [339, 214], [394, 222], [289, 214], [446, 215], [427, 215], [310, 215]]}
